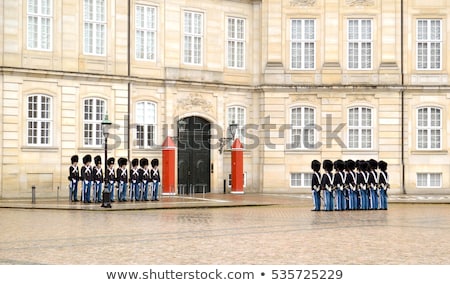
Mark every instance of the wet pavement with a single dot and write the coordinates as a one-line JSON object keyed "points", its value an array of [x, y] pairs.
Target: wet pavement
{"points": [[224, 229]]}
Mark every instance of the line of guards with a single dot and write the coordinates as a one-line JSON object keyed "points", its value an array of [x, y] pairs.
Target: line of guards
{"points": [[352, 186], [138, 184]]}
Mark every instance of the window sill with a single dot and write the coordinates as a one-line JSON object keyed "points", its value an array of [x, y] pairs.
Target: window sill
{"points": [[39, 148], [429, 152]]}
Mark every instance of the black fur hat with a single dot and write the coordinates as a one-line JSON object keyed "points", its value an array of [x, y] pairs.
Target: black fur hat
{"points": [[111, 160], [74, 158], [327, 165], [155, 162], [122, 161], [363, 165], [98, 160], [87, 158], [373, 164], [315, 165], [350, 164], [135, 162], [383, 165], [339, 165], [143, 162]]}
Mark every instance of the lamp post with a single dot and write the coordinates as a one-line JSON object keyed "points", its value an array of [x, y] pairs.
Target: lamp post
{"points": [[223, 141], [106, 123]]}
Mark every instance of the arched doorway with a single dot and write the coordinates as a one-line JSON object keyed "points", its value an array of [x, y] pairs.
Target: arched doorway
{"points": [[194, 154]]}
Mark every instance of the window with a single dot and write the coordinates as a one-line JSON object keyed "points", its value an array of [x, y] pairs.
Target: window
{"points": [[302, 127], [300, 179], [145, 32], [360, 44], [429, 125], [39, 119], [429, 43], [429, 180], [145, 124], [94, 27], [193, 37], [94, 112], [236, 115], [236, 43], [303, 43], [39, 21], [360, 128]]}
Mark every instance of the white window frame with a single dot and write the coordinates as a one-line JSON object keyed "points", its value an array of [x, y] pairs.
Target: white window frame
{"points": [[428, 176], [41, 37], [146, 30], [39, 121], [95, 137], [359, 41], [236, 42], [299, 129], [360, 128], [302, 42], [192, 35], [301, 177], [237, 115], [144, 122], [428, 41], [94, 27], [429, 128]]}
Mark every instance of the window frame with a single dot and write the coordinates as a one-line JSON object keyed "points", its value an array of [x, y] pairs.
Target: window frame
{"points": [[302, 127], [145, 124], [97, 132], [360, 41], [192, 35], [149, 32], [360, 128], [429, 128], [240, 132], [95, 26], [428, 179], [39, 120], [302, 43], [429, 42], [304, 183], [39, 29], [235, 41]]}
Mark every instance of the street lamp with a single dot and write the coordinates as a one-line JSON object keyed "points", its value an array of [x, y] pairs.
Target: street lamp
{"points": [[106, 123], [223, 141]]}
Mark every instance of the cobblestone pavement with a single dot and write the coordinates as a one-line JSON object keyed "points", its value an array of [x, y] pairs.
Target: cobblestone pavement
{"points": [[283, 231]]}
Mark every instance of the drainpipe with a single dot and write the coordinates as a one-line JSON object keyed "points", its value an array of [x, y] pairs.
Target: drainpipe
{"points": [[402, 94], [129, 82]]}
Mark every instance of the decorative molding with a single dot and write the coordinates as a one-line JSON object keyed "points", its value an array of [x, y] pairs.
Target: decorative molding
{"points": [[311, 98], [302, 3], [360, 2], [193, 101]]}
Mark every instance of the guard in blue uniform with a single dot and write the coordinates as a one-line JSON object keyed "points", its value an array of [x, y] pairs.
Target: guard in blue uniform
{"points": [[361, 181], [315, 184], [383, 183], [110, 178], [144, 176], [372, 182], [351, 185], [134, 180], [327, 184], [87, 177], [98, 179], [155, 178], [338, 183], [122, 179], [74, 177]]}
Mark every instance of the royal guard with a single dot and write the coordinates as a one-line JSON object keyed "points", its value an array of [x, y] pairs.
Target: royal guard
{"points": [[144, 177], [372, 182], [122, 179], [98, 178], [339, 184], [383, 183], [87, 177], [315, 184], [74, 177], [351, 185], [110, 178], [134, 180], [155, 178], [361, 181], [327, 184]]}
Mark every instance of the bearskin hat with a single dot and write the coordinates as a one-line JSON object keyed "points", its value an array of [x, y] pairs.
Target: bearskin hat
{"points": [[143, 162], [383, 165], [363, 165], [327, 165], [98, 160], [339, 165], [111, 160], [135, 162], [155, 162], [315, 165], [87, 158], [122, 161], [350, 164], [373, 164], [74, 158]]}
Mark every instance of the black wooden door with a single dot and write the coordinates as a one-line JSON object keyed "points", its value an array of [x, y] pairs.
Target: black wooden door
{"points": [[194, 154]]}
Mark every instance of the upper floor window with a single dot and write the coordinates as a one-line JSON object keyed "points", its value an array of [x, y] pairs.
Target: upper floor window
{"points": [[145, 124], [302, 127], [236, 115], [145, 32], [193, 37], [94, 17], [39, 24], [39, 119], [94, 112], [303, 43], [236, 43], [360, 44], [429, 43], [429, 128], [360, 128]]}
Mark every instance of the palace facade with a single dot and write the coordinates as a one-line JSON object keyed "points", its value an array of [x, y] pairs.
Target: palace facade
{"points": [[302, 79]]}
